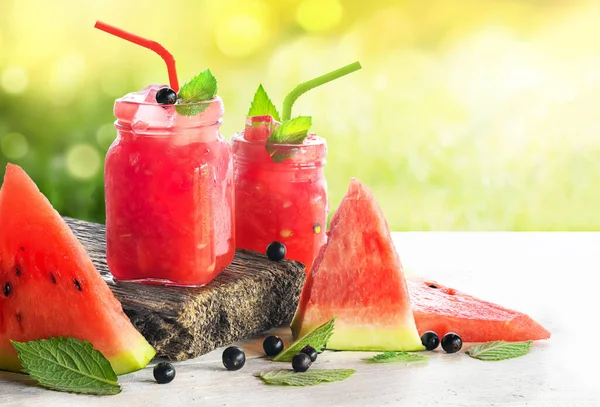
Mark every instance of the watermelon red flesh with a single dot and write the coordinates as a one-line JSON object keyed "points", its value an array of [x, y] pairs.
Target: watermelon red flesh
{"points": [[442, 309], [259, 128], [53, 287], [358, 278]]}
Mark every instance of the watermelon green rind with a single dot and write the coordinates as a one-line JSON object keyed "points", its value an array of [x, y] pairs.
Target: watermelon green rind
{"points": [[127, 362], [369, 338], [358, 277], [55, 289]]}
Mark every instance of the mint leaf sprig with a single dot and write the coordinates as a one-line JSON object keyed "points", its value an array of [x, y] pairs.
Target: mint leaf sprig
{"points": [[391, 357], [285, 377], [262, 105], [317, 338], [201, 88], [291, 131], [67, 364], [499, 350]]}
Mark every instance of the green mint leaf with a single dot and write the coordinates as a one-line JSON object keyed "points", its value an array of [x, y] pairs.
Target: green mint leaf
{"points": [[262, 105], [309, 378], [67, 364], [390, 357], [292, 131], [499, 350], [201, 88], [317, 339]]}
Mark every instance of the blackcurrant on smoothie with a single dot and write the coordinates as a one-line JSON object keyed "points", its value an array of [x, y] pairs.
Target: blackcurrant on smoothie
{"points": [[280, 186], [169, 186]]}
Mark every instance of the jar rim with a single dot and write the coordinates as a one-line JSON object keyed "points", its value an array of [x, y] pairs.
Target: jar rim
{"points": [[314, 141]]}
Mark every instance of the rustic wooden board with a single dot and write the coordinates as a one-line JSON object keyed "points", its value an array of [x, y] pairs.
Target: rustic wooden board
{"points": [[251, 296]]}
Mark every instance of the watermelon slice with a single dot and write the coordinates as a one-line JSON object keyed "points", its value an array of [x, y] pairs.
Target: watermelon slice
{"points": [[358, 278], [259, 128], [49, 286], [442, 309]]}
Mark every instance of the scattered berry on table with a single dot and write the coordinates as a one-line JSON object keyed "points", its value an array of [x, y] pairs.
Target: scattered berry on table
{"points": [[273, 345], [311, 352], [430, 340], [301, 362], [166, 96], [234, 358], [276, 251], [451, 342], [164, 372]]}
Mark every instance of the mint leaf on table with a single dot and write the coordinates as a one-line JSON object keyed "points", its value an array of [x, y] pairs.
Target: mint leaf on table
{"points": [[499, 350], [292, 131], [317, 339], [287, 377], [67, 364], [391, 357], [201, 88], [262, 105]]}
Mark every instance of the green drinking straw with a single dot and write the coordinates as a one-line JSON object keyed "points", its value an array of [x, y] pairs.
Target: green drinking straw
{"points": [[299, 90]]}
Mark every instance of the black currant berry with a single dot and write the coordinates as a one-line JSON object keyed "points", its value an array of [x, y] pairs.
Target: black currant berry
{"points": [[301, 362], [276, 251], [430, 340], [451, 342], [234, 358], [166, 96], [164, 373], [273, 345], [311, 352]]}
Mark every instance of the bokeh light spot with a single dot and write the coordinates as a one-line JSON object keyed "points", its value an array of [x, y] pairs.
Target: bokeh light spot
{"points": [[14, 146], [14, 79], [105, 135], [319, 15], [83, 161], [240, 35], [66, 77]]}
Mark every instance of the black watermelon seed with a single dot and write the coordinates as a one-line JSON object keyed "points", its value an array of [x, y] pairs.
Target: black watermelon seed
{"points": [[7, 289], [22, 249], [19, 317], [53, 279], [77, 285], [433, 286], [18, 272]]}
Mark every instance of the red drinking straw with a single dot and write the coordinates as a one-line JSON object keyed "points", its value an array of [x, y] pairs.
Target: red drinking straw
{"points": [[151, 45]]}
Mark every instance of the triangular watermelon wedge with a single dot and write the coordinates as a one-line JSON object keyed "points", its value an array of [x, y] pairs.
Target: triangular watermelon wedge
{"points": [[443, 309], [358, 278], [49, 286]]}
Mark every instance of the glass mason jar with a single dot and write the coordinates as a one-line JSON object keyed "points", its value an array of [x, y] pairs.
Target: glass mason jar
{"points": [[282, 200], [169, 194]]}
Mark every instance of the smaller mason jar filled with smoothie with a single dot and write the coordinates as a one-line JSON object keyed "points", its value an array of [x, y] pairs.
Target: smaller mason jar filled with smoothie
{"points": [[280, 186], [169, 184]]}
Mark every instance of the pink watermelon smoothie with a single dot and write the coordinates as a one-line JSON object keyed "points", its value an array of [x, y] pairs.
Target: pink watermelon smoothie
{"points": [[169, 193], [280, 201]]}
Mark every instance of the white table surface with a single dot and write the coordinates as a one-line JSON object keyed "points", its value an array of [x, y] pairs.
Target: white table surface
{"points": [[552, 276]]}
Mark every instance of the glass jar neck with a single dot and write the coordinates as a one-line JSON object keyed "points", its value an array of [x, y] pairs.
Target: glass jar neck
{"points": [[134, 119], [280, 157]]}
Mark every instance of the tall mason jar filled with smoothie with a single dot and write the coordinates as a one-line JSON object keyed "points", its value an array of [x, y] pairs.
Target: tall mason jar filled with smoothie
{"points": [[169, 183], [280, 187]]}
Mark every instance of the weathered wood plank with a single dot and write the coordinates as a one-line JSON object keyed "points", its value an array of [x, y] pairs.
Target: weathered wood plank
{"points": [[251, 296]]}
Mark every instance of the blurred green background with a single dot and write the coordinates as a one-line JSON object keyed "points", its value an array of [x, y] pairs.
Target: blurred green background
{"points": [[467, 115]]}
